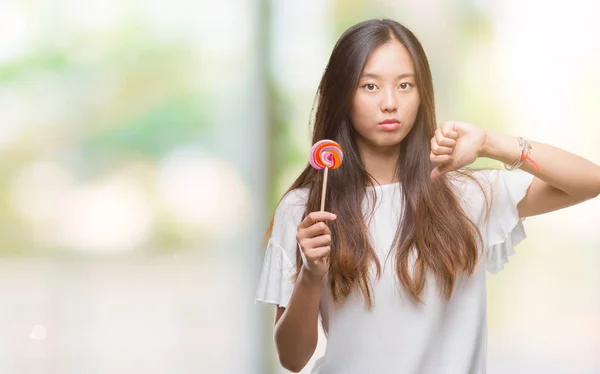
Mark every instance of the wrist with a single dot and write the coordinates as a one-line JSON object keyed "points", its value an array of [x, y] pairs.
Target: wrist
{"points": [[309, 278], [487, 149], [500, 147]]}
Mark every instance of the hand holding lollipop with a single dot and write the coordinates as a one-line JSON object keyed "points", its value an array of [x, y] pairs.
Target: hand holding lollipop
{"points": [[326, 154]]}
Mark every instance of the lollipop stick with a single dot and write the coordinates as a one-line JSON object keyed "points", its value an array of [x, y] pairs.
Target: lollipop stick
{"points": [[324, 190]]}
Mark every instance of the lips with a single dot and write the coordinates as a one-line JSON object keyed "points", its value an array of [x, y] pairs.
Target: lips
{"points": [[389, 124]]}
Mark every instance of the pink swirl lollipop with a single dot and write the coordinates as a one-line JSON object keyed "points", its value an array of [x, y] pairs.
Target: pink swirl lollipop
{"points": [[326, 154]]}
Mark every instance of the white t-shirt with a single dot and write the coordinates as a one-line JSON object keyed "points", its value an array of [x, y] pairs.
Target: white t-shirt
{"points": [[397, 335]]}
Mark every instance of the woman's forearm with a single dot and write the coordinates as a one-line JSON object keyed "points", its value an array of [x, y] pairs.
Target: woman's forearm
{"points": [[296, 332], [566, 171]]}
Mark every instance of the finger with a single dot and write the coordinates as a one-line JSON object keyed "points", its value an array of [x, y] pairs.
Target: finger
{"points": [[439, 170], [319, 228], [314, 217], [317, 241], [441, 159], [439, 150], [451, 135], [318, 253], [448, 129], [446, 126], [435, 173], [442, 140]]}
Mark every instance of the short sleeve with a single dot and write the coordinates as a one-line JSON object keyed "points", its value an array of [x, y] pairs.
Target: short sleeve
{"points": [[504, 229], [276, 283]]}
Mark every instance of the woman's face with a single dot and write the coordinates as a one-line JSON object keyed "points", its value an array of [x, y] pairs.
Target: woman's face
{"points": [[386, 101]]}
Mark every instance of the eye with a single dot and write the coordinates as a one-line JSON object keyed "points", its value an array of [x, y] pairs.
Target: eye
{"points": [[369, 87], [405, 86]]}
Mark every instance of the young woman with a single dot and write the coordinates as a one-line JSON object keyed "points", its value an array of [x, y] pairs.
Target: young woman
{"points": [[396, 266]]}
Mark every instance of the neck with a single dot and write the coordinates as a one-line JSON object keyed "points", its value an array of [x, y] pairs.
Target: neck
{"points": [[381, 163]]}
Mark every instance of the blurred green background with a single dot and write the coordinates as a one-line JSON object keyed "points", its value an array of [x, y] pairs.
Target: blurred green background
{"points": [[144, 146]]}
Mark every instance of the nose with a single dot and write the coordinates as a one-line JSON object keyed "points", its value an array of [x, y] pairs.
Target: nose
{"points": [[389, 101]]}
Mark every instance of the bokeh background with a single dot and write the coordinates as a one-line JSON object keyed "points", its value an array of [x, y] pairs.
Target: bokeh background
{"points": [[145, 144]]}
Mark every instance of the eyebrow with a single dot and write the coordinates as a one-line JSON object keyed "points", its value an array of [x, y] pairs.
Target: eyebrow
{"points": [[373, 75]]}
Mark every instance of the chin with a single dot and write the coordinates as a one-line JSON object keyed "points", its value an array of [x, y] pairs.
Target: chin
{"points": [[385, 140], [389, 141]]}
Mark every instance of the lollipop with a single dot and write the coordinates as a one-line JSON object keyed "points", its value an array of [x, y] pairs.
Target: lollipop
{"points": [[326, 154]]}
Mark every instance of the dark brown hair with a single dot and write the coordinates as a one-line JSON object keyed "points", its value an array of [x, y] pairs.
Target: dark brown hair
{"points": [[433, 222]]}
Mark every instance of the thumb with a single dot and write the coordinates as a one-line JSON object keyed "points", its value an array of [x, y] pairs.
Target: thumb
{"points": [[439, 170]]}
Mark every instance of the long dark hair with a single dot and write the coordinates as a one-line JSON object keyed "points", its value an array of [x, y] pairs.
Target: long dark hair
{"points": [[433, 222]]}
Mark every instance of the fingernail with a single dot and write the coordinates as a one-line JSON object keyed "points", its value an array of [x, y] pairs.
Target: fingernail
{"points": [[333, 216]]}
